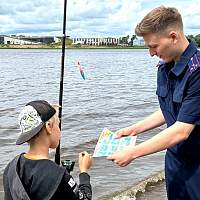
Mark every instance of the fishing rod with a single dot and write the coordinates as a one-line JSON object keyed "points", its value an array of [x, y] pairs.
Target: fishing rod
{"points": [[57, 155]]}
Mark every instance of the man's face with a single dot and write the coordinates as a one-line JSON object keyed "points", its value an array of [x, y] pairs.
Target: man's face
{"points": [[163, 46]]}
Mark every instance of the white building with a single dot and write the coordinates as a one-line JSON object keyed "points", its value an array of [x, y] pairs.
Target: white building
{"points": [[14, 40], [138, 42], [96, 41], [23, 40]]}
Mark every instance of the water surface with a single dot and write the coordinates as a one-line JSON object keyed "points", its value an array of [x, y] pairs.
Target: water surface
{"points": [[119, 90]]}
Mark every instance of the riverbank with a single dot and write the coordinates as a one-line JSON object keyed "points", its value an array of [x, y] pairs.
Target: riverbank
{"points": [[53, 46], [157, 192], [144, 189]]}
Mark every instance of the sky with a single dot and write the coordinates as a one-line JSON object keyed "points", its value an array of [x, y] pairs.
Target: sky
{"points": [[87, 18]]}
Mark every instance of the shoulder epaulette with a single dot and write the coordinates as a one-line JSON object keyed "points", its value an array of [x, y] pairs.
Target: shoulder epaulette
{"points": [[161, 62], [194, 62]]}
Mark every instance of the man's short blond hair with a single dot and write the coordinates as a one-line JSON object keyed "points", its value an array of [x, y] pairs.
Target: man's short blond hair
{"points": [[159, 20]]}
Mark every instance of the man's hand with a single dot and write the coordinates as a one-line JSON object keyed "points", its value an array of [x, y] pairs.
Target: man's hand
{"points": [[122, 158], [130, 130]]}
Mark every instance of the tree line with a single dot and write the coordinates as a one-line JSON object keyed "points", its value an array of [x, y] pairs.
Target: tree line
{"points": [[128, 40], [195, 39]]}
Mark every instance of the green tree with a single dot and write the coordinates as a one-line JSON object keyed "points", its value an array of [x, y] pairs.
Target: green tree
{"points": [[191, 37], [197, 39], [68, 41], [132, 39], [124, 40]]}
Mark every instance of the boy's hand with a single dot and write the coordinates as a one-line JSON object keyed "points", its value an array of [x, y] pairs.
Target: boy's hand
{"points": [[85, 161]]}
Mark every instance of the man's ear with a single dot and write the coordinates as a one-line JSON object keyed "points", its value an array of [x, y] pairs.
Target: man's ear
{"points": [[48, 126], [174, 36]]}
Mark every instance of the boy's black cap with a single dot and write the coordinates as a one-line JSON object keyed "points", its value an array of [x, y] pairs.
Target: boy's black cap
{"points": [[32, 118]]}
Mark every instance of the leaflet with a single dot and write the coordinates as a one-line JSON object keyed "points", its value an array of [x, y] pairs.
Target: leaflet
{"points": [[107, 143]]}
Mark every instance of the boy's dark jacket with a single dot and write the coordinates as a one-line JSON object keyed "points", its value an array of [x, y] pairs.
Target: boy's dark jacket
{"points": [[14, 189], [45, 184]]}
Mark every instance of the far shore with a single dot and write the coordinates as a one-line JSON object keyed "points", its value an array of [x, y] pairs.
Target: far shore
{"points": [[67, 47]]}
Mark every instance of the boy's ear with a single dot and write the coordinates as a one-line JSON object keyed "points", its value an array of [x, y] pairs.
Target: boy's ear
{"points": [[48, 126]]}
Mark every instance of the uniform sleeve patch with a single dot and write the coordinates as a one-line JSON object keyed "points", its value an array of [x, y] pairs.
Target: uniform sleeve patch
{"points": [[194, 63], [71, 182]]}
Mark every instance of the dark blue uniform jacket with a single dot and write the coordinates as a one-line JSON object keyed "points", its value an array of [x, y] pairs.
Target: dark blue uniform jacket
{"points": [[178, 90]]}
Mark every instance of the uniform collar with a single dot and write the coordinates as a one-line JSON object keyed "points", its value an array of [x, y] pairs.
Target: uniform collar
{"points": [[185, 58]]}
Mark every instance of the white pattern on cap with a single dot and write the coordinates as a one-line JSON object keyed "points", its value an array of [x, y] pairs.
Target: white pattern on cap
{"points": [[29, 119], [30, 124]]}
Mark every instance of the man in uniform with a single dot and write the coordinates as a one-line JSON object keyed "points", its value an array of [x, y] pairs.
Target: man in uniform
{"points": [[178, 90]]}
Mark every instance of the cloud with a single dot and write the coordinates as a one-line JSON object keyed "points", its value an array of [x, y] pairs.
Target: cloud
{"points": [[102, 18], [87, 18], [30, 16]]}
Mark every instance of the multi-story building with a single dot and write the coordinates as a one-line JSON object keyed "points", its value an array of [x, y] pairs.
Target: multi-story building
{"points": [[138, 42], [97, 41], [23, 40]]}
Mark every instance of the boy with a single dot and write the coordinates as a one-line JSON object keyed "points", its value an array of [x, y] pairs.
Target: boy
{"points": [[178, 90], [32, 175]]}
